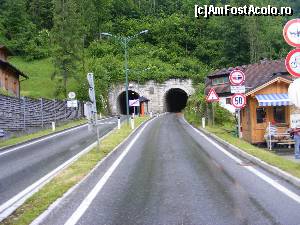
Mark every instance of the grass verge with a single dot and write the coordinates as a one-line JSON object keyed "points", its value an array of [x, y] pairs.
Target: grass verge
{"points": [[261, 153], [27, 137], [55, 189]]}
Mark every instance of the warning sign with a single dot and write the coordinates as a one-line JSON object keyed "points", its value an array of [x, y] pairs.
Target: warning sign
{"points": [[212, 96]]}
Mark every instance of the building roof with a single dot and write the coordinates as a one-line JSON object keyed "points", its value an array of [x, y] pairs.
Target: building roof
{"points": [[8, 52], [7, 65], [256, 75]]}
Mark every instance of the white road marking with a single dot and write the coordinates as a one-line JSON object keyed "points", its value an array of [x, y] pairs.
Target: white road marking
{"points": [[262, 176], [13, 203], [94, 192], [42, 139]]}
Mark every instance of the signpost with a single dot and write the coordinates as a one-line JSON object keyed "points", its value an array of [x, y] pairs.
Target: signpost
{"points": [[212, 97], [72, 104], [291, 32], [237, 77], [238, 101], [92, 105]]}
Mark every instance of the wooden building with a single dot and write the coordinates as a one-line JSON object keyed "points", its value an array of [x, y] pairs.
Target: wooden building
{"points": [[9, 75], [267, 85]]}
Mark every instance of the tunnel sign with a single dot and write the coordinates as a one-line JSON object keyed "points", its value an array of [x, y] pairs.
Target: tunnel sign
{"points": [[237, 77], [212, 96], [135, 102], [292, 62], [238, 101], [291, 32]]}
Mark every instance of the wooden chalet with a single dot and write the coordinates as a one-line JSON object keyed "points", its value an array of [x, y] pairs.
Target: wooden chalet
{"points": [[267, 85], [9, 75]]}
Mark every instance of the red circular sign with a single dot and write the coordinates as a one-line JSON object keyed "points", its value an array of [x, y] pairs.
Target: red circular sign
{"points": [[238, 101], [237, 77], [292, 62], [291, 32]]}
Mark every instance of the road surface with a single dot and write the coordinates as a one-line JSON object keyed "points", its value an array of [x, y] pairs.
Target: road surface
{"points": [[170, 174], [22, 166]]}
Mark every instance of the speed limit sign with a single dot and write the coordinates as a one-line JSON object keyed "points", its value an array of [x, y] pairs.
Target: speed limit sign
{"points": [[238, 101]]}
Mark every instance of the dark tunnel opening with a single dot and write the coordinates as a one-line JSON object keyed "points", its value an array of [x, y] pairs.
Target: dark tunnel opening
{"points": [[175, 100], [122, 102]]}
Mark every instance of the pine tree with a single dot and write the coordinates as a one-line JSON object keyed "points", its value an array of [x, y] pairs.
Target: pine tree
{"points": [[67, 41], [41, 13]]}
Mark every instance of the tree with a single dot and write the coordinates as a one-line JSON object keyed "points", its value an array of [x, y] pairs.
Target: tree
{"points": [[41, 13], [67, 42]]}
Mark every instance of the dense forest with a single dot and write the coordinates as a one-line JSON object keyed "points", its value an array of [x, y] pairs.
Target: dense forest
{"points": [[177, 44]]}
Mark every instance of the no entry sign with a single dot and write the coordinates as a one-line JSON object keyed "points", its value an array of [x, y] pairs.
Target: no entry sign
{"points": [[237, 77], [238, 101], [292, 62], [291, 32]]}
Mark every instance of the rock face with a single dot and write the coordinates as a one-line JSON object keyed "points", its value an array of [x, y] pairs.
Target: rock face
{"points": [[155, 92]]}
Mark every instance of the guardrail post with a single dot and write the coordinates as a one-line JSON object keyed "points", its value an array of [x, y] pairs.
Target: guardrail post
{"points": [[42, 114], [24, 113]]}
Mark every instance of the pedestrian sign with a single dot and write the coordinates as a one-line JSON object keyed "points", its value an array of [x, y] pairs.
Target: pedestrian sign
{"points": [[291, 32], [292, 62], [238, 101], [237, 77], [212, 96]]}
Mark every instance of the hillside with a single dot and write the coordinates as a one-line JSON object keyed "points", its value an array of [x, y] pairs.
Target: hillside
{"points": [[39, 83]]}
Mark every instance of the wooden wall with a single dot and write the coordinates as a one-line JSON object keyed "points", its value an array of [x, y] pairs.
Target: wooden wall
{"points": [[9, 81], [254, 132]]}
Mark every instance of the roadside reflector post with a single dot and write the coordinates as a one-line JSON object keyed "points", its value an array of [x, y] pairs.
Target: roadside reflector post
{"points": [[100, 116], [132, 123], [151, 114], [119, 123], [53, 126], [203, 122]]}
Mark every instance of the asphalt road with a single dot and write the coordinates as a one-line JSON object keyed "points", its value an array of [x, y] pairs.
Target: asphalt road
{"points": [[22, 167], [173, 175]]}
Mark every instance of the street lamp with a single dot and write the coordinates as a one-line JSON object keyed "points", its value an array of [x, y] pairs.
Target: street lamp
{"points": [[124, 41]]}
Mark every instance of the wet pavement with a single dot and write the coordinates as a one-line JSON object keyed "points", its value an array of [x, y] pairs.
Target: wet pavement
{"points": [[171, 176]]}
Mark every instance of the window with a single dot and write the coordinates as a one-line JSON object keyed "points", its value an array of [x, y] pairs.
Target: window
{"points": [[279, 114], [260, 115], [220, 80], [228, 101]]}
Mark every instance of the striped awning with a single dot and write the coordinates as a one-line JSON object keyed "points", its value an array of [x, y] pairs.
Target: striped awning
{"points": [[273, 100]]}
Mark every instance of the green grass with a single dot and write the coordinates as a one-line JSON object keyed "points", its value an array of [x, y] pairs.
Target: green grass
{"points": [[39, 83], [17, 140], [55, 189], [261, 153]]}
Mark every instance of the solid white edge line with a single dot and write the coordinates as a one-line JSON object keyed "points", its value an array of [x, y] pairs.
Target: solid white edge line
{"points": [[98, 187], [43, 139], [262, 176], [42, 217], [13, 203]]}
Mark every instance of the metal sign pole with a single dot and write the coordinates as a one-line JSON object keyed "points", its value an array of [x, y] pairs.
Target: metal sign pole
{"points": [[239, 123]]}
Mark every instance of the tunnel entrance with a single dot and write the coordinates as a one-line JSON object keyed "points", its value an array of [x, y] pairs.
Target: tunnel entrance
{"points": [[122, 102], [175, 100]]}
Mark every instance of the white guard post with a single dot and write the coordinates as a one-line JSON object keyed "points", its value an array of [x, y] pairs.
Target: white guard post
{"points": [[132, 123], [53, 126], [203, 122], [119, 123]]}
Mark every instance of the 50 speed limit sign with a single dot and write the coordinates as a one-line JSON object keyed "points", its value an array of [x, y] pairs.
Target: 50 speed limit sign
{"points": [[238, 101]]}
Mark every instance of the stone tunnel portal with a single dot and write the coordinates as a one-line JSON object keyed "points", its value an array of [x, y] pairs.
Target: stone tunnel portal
{"points": [[122, 102], [175, 100]]}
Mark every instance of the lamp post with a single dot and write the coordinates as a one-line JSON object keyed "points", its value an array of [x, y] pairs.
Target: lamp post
{"points": [[125, 41]]}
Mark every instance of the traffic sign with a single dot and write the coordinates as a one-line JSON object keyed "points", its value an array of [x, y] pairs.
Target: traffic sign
{"points": [[291, 32], [212, 96], [135, 102], [293, 92], [292, 62], [72, 104], [237, 77], [238, 101], [72, 95], [238, 89]]}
